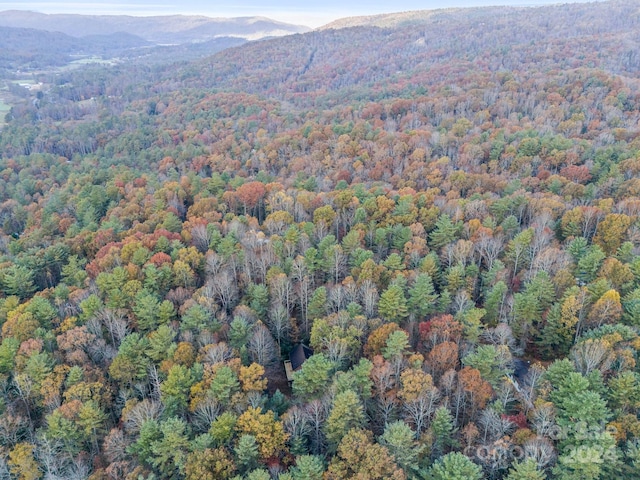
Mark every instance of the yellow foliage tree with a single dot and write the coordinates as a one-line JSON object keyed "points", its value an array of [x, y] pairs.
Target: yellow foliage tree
{"points": [[22, 463], [269, 432], [252, 378], [611, 232]]}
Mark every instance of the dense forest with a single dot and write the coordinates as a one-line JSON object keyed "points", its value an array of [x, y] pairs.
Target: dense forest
{"points": [[444, 207]]}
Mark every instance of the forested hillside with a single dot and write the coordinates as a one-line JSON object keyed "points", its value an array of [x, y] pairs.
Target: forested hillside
{"points": [[25, 49], [444, 207]]}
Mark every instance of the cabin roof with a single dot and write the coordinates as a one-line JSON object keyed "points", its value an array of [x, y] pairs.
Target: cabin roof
{"points": [[299, 355], [520, 369]]}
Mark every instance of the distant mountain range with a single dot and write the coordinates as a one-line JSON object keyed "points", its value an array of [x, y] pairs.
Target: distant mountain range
{"points": [[28, 49], [172, 29]]}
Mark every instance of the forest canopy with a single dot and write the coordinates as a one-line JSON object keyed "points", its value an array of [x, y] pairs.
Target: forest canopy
{"points": [[444, 210]]}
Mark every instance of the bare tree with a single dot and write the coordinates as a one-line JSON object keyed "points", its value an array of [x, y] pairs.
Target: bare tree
{"points": [[262, 347], [217, 353], [205, 413], [141, 412], [463, 251], [493, 425], [590, 355], [154, 382], [5, 473], [78, 468], [540, 450], [116, 324], [384, 410], [500, 335], [336, 349], [337, 297], [370, 296], [296, 423], [50, 456], [303, 295], [281, 290], [544, 420], [224, 289], [115, 446], [531, 381], [338, 261], [550, 260], [419, 411], [213, 264], [505, 394], [13, 429], [201, 237], [461, 302], [24, 386], [489, 247], [316, 413], [279, 323]]}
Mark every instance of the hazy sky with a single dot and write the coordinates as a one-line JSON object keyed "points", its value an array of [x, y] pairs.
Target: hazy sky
{"points": [[306, 12]]}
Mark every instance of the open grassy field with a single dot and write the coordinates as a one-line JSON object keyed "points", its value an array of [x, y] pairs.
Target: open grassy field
{"points": [[86, 61]]}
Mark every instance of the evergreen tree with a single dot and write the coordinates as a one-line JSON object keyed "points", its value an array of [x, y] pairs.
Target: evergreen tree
{"points": [[422, 296], [443, 429], [393, 304], [313, 377], [347, 413], [318, 304], [401, 442], [445, 232], [397, 345], [525, 470], [169, 452], [247, 453], [307, 467], [145, 308], [455, 466]]}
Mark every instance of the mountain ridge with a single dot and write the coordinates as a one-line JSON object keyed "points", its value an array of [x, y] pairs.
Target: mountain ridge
{"points": [[157, 29], [330, 59]]}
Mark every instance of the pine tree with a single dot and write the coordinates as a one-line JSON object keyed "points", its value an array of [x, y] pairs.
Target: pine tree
{"points": [[445, 232], [308, 467], [318, 304], [443, 429], [526, 470], [170, 451], [455, 466], [259, 299], [397, 345], [224, 384], [313, 378], [393, 304], [145, 308], [401, 442], [175, 389], [347, 413], [422, 296], [247, 453]]}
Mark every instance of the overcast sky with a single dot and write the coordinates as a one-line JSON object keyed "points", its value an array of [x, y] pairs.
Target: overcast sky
{"points": [[305, 12]]}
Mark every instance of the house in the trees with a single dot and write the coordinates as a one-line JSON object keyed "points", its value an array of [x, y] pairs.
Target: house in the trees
{"points": [[297, 357]]}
